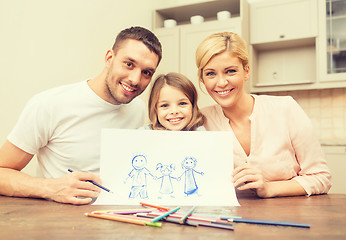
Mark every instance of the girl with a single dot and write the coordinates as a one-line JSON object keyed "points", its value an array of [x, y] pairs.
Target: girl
{"points": [[173, 104], [275, 150]]}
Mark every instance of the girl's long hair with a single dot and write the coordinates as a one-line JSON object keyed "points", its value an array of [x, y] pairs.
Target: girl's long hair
{"points": [[183, 84]]}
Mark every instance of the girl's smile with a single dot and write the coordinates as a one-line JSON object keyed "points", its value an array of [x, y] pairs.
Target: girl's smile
{"points": [[174, 109]]}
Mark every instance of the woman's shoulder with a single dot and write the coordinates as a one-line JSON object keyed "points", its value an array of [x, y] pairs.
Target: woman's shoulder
{"points": [[215, 118], [213, 110], [272, 99], [274, 102]]}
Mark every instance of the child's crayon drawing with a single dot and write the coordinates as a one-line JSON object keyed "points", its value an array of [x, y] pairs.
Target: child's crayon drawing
{"points": [[139, 177], [189, 165], [166, 187], [167, 168]]}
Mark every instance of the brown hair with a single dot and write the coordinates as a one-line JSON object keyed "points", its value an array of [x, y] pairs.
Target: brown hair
{"points": [[140, 34], [183, 84], [218, 43]]}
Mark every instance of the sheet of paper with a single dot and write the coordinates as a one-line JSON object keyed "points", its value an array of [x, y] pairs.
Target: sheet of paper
{"points": [[167, 168]]}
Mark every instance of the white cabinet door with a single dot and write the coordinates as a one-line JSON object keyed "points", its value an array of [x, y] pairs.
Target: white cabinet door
{"points": [[169, 38], [282, 20], [283, 67], [336, 160], [332, 44], [191, 37]]}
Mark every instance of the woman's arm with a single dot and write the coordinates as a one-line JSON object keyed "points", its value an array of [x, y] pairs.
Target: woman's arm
{"points": [[246, 177]]}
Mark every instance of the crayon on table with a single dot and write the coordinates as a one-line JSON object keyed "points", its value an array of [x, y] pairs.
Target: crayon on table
{"points": [[269, 222], [153, 206], [196, 223], [191, 217], [165, 215], [183, 218], [123, 219], [124, 211]]}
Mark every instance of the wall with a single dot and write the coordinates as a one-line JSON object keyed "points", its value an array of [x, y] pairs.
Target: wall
{"points": [[327, 111], [46, 43]]}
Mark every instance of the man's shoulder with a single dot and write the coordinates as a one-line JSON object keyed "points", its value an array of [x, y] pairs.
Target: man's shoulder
{"points": [[63, 90], [136, 104]]}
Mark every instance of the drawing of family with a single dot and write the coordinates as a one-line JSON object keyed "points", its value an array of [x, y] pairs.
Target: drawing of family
{"points": [[140, 172]]}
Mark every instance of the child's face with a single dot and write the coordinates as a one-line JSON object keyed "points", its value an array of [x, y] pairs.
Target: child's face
{"points": [[174, 109]]}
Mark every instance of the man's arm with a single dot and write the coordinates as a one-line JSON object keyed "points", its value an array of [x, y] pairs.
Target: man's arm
{"points": [[72, 188]]}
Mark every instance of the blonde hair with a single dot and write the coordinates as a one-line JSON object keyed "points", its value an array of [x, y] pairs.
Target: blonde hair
{"points": [[218, 43], [183, 84]]}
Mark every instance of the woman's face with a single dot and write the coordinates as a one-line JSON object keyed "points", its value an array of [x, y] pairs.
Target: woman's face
{"points": [[224, 78]]}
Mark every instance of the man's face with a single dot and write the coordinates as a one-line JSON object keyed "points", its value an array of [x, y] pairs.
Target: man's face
{"points": [[130, 70]]}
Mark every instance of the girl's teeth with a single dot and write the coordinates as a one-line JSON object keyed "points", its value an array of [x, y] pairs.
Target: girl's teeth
{"points": [[174, 120]]}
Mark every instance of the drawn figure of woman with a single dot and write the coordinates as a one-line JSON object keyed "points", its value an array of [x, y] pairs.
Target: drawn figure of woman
{"points": [[189, 164], [166, 182], [139, 177]]}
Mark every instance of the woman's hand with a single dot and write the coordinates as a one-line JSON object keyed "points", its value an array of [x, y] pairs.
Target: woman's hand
{"points": [[73, 188], [247, 177]]}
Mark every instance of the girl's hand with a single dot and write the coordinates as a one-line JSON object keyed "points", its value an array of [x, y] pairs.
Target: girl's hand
{"points": [[247, 177]]}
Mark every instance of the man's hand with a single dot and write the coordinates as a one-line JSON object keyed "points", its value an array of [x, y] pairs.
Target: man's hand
{"points": [[73, 188]]}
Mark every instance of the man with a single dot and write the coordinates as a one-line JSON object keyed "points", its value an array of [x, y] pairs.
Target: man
{"points": [[63, 125]]}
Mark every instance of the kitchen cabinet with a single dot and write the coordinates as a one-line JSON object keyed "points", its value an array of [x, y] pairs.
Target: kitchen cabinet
{"points": [[179, 43], [297, 45], [333, 43], [283, 20], [283, 45], [336, 160]]}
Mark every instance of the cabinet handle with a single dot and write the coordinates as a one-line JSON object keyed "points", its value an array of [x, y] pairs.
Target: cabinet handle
{"points": [[282, 36], [275, 75]]}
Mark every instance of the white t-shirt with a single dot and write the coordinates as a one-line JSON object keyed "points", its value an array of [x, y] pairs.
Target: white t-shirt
{"points": [[63, 127]]}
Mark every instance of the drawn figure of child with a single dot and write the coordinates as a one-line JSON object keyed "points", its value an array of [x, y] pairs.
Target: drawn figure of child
{"points": [[166, 187], [139, 177], [188, 165], [173, 104]]}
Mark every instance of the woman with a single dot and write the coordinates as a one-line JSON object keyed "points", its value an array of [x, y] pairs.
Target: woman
{"points": [[275, 150]]}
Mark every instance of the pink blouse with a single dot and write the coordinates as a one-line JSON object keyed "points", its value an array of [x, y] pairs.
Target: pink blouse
{"points": [[283, 144]]}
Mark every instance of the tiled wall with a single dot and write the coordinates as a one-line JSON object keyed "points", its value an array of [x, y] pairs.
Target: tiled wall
{"points": [[327, 111]]}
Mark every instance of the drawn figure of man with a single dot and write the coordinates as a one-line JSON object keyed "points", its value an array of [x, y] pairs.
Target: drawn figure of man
{"points": [[189, 164], [166, 179], [139, 177]]}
